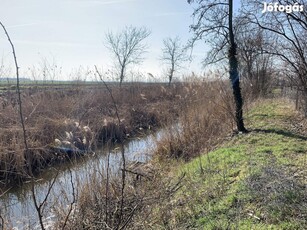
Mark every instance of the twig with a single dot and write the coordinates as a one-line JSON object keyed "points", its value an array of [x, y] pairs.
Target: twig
{"points": [[110, 93], [2, 221], [177, 186], [107, 186], [18, 88], [5, 191], [129, 218], [122, 150], [252, 215], [73, 200], [137, 173], [38, 207], [34, 109]]}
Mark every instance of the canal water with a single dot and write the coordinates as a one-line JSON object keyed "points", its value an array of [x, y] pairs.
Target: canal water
{"points": [[17, 205]]}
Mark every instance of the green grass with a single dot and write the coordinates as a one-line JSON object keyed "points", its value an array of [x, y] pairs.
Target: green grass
{"points": [[254, 181]]}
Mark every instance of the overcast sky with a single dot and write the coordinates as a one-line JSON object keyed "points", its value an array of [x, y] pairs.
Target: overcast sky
{"points": [[71, 32]]}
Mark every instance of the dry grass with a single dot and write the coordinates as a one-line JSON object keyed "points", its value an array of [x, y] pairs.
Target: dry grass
{"points": [[197, 127], [204, 120], [49, 113], [99, 202], [197, 115]]}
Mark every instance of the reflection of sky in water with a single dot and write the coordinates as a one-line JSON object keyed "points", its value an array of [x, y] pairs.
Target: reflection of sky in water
{"points": [[17, 206]]}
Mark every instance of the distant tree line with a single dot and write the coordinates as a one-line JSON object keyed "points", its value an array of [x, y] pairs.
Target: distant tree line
{"points": [[128, 47]]}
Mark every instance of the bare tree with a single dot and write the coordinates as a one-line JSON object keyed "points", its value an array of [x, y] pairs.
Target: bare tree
{"points": [[256, 66], [174, 54], [214, 20], [290, 28], [127, 47]]}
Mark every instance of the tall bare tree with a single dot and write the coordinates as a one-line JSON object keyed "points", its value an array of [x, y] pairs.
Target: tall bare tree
{"points": [[173, 54], [127, 46], [214, 20]]}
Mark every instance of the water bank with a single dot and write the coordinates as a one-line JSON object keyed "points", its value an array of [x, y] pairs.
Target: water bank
{"points": [[17, 205]]}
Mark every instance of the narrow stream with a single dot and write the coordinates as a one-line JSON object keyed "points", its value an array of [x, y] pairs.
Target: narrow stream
{"points": [[17, 206]]}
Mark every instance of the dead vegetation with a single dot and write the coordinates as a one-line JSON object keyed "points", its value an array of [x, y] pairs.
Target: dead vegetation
{"points": [[98, 205], [204, 120], [157, 196], [150, 187], [191, 114], [247, 182], [50, 115]]}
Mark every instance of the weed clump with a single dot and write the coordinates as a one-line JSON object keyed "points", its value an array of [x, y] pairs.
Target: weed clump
{"points": [[204, 120]]}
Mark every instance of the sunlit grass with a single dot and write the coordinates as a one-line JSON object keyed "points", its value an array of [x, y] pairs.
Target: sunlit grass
{"points": [[253, 181]]}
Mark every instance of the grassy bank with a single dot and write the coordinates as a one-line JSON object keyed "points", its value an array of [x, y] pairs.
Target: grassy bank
{"points": [[248, 181], [252, 181]]}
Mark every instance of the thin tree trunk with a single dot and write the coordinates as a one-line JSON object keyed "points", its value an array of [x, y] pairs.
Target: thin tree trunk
{"points": [[234, 74], [171, 75], [121, 78], [27, 156]]}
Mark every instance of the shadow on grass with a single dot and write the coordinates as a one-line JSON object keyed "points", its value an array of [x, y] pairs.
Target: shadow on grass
{"points": [[281, 132]]}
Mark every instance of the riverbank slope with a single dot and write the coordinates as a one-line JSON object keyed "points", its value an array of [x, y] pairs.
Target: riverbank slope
{"points": [[252, 181], [238, 181]]}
